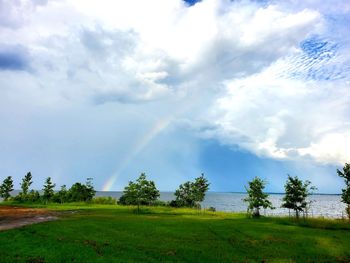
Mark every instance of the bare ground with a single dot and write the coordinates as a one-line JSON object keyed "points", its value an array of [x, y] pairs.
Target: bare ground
{"points": [[13, 217]]}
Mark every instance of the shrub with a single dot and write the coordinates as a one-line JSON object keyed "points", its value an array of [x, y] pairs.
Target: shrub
{"points": [[190, 194], [80, 192], [104, 200]]}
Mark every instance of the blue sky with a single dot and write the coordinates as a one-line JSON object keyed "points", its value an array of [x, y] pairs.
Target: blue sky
{"points": [[233, 89]]}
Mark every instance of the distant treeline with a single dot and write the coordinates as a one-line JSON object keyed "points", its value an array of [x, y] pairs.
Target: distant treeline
{"points": [[77, 193], [189, 194]]}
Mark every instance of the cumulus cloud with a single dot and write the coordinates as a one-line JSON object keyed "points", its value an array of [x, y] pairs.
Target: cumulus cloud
{"points": [[294, 108], [108, 55], [268, 76]]}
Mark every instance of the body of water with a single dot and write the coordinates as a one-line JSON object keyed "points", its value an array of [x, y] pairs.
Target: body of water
{"points": [[325, 205]]}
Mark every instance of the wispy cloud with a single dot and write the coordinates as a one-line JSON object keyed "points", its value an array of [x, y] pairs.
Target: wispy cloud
{"points": [[270, 77]]}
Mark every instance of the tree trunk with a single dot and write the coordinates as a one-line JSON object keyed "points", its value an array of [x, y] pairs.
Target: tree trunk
{"points": [[297, 213], [257, 212]]}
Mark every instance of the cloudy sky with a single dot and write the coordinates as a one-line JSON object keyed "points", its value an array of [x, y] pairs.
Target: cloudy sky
{"points": [[234, 89]]}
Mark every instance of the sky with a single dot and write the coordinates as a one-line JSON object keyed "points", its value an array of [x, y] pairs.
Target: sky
{"points": [[232, 89]]}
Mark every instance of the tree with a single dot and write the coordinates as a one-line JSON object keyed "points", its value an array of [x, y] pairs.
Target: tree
{"points": [[141, 192], [200, 187], [48, 190], [190, 194], [90, 191], [184, 195], [32, 196], [62, 195], [296, 193], [26, 182], [25, 194], [256, 197], [80, 192], [6, 188], [346, 191]]}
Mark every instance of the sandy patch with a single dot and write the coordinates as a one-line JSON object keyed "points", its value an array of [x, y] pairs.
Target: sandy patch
{"points": [[13, 217]]}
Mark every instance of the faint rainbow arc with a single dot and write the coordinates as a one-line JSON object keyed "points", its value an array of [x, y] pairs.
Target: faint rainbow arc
{"points": [[156, 129]]}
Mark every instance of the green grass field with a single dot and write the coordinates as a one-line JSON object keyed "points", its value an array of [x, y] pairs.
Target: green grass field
{"points": [[107, 233]]}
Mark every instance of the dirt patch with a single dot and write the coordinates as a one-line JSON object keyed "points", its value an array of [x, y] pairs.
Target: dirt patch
{"points": [[13, 217]]}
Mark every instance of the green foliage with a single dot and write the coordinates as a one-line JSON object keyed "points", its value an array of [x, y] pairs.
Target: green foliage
{"points": [[33, 196], [296, 195], [141, 192], [26, 183], [160, 203], [48, 190], [25, 195], [104, 200], [6, 187], [190, 194], [62, 195], [256, 197], [80, 192], [346, 191], [211, 209]]}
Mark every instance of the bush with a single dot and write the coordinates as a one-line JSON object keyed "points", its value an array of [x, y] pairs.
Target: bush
{"points": [[103, 200], [211, 209], [80, 192], [61, 196], [32, 196], [160, 203], [190, 194]]}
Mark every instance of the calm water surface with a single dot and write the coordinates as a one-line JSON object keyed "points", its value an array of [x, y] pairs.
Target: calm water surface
{"points": [[322, 205]]}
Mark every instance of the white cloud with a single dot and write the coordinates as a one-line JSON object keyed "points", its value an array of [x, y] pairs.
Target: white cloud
{"points": [[275, 114], [223, 66], [117, 51]]}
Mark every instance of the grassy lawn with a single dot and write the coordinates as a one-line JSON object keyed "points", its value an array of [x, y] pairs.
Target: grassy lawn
{"points": [[108, 233]]}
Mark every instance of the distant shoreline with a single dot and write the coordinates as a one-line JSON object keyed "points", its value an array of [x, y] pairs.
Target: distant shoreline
{"points": [[210, 192]]}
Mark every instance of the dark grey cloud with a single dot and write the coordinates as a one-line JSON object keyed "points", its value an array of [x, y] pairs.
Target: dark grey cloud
{"points": [[14, 58]]}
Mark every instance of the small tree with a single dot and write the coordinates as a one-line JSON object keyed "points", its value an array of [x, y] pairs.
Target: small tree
{"points": [[200, 187], [346, 191], [62, 195], [6, 188], [26, 183], [184, 195], [80, 192], [256, 197], [32, 196], [90, 190], [190, 194], [141, 192], [296, 195], [25, 194], [48, 190]]}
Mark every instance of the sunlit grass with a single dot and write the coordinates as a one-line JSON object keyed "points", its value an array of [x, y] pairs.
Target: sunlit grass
{"points": [[111, 233]]}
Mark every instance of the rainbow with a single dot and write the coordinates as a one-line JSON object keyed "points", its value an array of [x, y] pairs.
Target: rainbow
{"points": [[143, 142]]}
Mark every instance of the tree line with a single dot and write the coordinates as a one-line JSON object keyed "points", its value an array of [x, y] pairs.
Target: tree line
{"points": [[189, 194], [77, 193]]}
